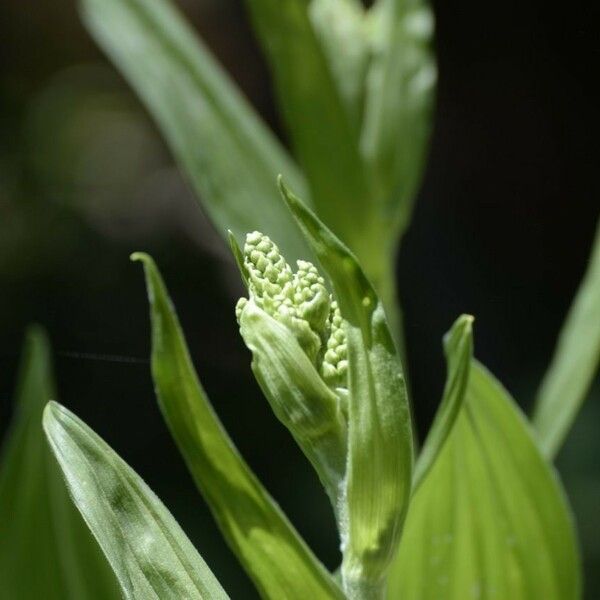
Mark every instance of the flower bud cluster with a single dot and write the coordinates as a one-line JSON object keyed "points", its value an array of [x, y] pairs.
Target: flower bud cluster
{"points": [[300, 301]]}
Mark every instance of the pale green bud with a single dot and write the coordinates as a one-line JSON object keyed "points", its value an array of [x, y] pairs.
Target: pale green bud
{"points": [[298, 300]]}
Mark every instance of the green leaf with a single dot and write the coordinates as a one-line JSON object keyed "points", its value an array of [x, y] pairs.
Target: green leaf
{"points": [[399, 103], [490, 520], [324, 136], [229, 155], [277, 559], [380, 452], [299, 397], [46, 550], [145, 546], [458, 346], [574, 364]]}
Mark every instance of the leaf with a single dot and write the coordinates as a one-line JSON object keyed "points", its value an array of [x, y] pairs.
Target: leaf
{"points": [[399, 103], [490, 520], [574, 364], [458, 346], [380, 450], [277, 559], [229, 155], [145, 546], [324, 136], [299, 397], [46, 550]]}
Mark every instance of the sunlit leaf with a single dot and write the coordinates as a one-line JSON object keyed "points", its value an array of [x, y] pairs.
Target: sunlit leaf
{"points": [[277, 559], [228, 154], [145, 546], [458, 346], [380, 453], [574, 364], [490, 520], [46, 550]]}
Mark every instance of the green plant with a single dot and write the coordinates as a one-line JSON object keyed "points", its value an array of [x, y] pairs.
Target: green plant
{"points": [[478, 512], [329, 368]]}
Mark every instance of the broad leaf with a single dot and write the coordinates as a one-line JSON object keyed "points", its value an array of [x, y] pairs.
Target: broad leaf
{"points": [[575, 362], [399, 103], [490, 520], [458, 346], [380, 450], [145, 546], [270, 549], [324, 135], [46, 550], [228, 154]]}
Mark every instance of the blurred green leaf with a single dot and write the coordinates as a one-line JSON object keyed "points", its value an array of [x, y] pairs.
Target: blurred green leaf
{"points": [[380, 450], [574, 364], [145, 546], [46, 550], [272, 552], [325, 137], [399, 103], [490, 520], [458, 347], [229, 155]]}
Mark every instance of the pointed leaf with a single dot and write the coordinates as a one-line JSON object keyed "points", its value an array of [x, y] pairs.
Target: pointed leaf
{"points": [[458, 346], [46, 550], [269, 548], [490, 520], [574, 364], [380, 447], [228, 154], [145, 546]]}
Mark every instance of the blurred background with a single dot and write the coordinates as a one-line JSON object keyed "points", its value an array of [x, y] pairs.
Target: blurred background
{"points": [[502, 230]]}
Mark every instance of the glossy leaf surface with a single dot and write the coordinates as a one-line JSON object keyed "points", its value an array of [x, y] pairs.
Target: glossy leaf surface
{"points": [[269, 548], [145, 546]]}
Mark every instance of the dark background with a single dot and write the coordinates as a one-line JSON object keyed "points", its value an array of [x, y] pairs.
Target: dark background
{"points": [[502, 230]]}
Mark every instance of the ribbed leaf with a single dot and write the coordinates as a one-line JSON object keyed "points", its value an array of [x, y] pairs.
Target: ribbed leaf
{"points": [[269, 548], [380, 450], [228, 154], [46, 550], [490, 520], [458, 346], [145, 546], [323, 134], [574, 364], [399, 103]]}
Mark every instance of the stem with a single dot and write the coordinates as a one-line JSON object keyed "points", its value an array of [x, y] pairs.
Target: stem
{"points": [[362, 590]]}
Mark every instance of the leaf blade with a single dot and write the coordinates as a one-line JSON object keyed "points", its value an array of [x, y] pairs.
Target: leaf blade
{"points": [[325, 138], [229, 155], [277, 559], [380, 455], [40, 525], [459, 351], [491, 517], [399, 103], [574, 364], [145, 546]]}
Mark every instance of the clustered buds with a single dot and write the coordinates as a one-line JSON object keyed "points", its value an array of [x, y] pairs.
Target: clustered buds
{"points": [[300, 301]]}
